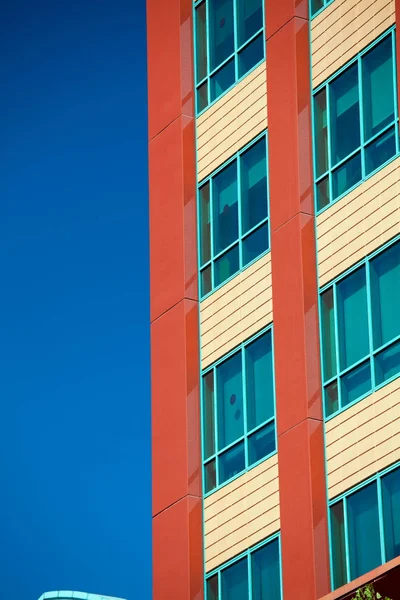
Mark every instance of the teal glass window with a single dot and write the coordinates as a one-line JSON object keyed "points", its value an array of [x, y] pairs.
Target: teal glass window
{"points": [[365, 527], [238, 411], [360, 329], [317, 5], [253, 575], [229, 42], [233, 216], [355, 120]]}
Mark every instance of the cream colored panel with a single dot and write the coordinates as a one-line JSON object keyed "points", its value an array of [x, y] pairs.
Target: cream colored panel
{"points": [[242, 513], [232, 122], [359, 223], [363, 439], [343, 29], [236, 311]]}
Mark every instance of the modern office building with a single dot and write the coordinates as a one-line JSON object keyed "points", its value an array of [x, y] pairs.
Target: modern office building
{"points": [[274, 174], [69, 595]]}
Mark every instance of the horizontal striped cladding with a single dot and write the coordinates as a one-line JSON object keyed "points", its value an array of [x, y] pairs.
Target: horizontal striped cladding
{"points": [[236, 311], [242, 513], [359, 223], [363, 439], [343, 29], [232, 122]]}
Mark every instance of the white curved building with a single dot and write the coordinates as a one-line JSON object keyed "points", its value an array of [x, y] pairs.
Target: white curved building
{"points": [[70, 595]]}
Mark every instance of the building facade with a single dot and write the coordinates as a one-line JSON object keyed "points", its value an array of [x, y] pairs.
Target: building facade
{"points": [[274, 185]]}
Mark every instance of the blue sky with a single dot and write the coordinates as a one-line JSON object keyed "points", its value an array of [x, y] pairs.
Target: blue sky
{"points": [[74, 344]]}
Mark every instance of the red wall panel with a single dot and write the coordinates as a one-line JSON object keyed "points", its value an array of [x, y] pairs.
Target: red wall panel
{"points": [[301, 462]]}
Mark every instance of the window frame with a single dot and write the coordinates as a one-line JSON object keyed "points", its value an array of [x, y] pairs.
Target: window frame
{"points": [[247, 554], [361, 149], [341, 372], [237, 50], [246, 433], [241, 236], [343, 498], [317, 12]]}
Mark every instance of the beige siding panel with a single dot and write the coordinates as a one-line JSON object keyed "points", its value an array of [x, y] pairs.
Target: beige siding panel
{"points": [[232, 122], [363, 439], [343, 29], [241, 513], [236, 311], [359, 223]]}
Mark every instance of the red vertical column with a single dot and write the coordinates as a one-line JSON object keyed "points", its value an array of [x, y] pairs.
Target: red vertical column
{"points": [[176, 466], [303, 507]]}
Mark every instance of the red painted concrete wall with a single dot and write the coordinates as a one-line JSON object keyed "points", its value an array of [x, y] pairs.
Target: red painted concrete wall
{"points": [[303, 504], [177, 513]]}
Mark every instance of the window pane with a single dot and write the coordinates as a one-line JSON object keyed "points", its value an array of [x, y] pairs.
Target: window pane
{"points": [[205, 231], [255, 244], [385, 291], [252, 54], [231, 463], [225, 207], [222, 80], [210, 476], [221, 31], [253, 181], [265, 573], [347, 175], [345, 114], [206, 284], [331, 398], [262, 443], [316, 5], [321, 133], [380, 151], [363, 527], [234, 582], [226, 265], [208, 414], [328, 334], [212, 588], [352, 318], [387, 363], [259, 381], [356, 383], [391, 513], [378, 88], [230, 400], [338, 546], [323, 193], [201, 42], [249, 19], [202, 96]]}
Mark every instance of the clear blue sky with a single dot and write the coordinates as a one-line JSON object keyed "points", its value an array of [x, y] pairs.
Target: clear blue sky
{"points": [[74, 344]]}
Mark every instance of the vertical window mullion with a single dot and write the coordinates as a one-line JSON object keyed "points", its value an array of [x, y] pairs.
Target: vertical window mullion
{"points": [[381, 524], [346, 538], [246, 451], [369, 310], [361, 101], [335, 312], [249, 582], [328, 126]]}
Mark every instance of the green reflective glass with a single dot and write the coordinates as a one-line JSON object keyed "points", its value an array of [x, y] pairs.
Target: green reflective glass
{"points": [[346, 176], [231, 463], [328, 334], [249, 19], [202, 96], [391, 513], [253, 177], [252, 54], [222, 80], [356, 383], [345, 114], [208, 414], [205, 223], [259, 381], [378, 87], [380, 151], [363, 531], [226, 266], [221, 33], [234, 581], [225, 207], [331, 398], [212, 588], [323, 193], [265, 572], [385, 293], [387, 363], [321, 132], [230, 400], [210, 476], [206, 281], [352, 318], [201, 42], [262, 443], [338, 545], [316, 5], [255, 244]]}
